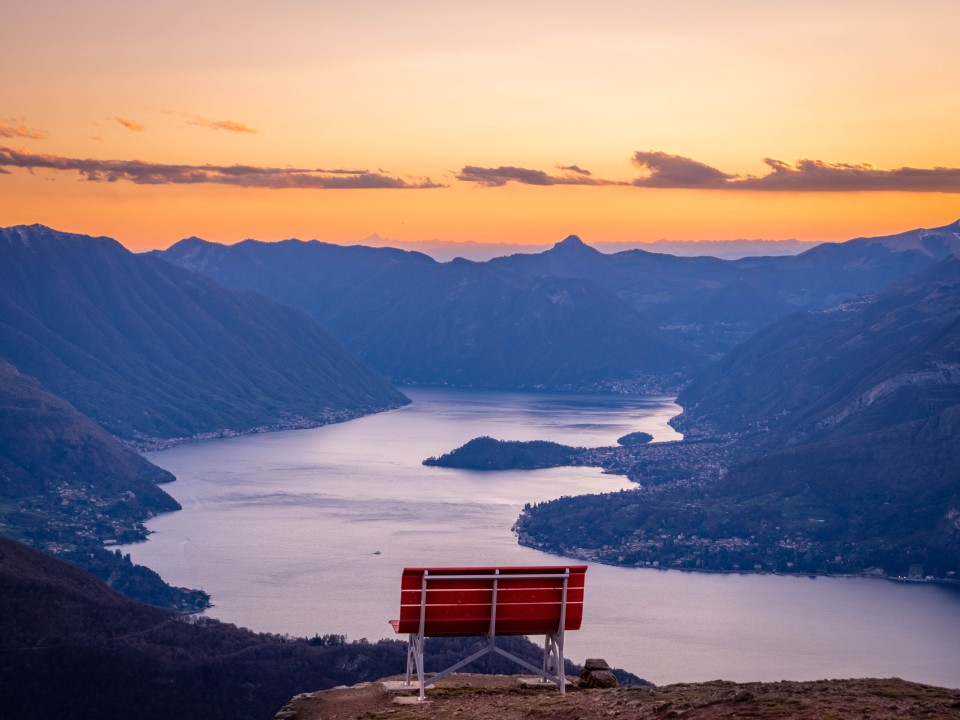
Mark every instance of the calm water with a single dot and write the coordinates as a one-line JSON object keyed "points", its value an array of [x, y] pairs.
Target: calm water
{"points": [[307, 531]]}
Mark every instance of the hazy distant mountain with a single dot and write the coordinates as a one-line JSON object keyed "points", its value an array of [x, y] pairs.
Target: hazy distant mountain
{"points": [[151, 350], [885, 359], [308, 275], [459, 323], [632, 314], [445, 250], [723, 249], [715, 304], [464, 324]]}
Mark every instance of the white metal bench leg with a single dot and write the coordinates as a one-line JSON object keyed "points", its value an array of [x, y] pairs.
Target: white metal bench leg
{"points": [[410, 644], [553, 658], [558, 641], [416, 650]]}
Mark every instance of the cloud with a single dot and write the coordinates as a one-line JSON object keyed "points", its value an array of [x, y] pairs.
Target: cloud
{"points": [[664, 171], [146, 173], [201, 121], [14, 129], [674, 171], [497, 177], [229, 125], [816, 175], [131, 124]]}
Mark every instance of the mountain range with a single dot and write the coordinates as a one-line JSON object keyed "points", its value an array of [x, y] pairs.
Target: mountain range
{"points": [[567, 317]]}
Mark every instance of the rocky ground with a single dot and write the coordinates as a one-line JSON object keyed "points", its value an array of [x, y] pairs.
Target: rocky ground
{"points": [[501, 697]]}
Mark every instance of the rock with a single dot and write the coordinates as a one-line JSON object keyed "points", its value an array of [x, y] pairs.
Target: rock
{"points": [[595, 664], [596, 674]]}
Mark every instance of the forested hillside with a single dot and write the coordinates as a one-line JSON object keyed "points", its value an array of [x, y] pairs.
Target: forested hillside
{"points": [[149, 350]]}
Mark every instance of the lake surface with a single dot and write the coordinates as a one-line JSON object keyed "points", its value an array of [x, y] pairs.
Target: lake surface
{"points": [[306, 532]]}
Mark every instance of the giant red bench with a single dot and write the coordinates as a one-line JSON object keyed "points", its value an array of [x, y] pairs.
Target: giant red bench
{"points": [[487, 602]]}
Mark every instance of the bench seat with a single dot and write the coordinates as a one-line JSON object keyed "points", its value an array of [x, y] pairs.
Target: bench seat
{"points": [[491, 601]]}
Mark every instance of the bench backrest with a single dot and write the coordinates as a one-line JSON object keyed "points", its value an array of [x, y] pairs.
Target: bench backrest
{"points": [[460, 601]]}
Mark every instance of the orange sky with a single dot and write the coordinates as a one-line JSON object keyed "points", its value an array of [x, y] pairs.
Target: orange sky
{"points": [[128, 119]]}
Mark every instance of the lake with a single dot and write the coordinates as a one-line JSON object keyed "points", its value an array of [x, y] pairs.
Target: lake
{"points": [[306, 532]]}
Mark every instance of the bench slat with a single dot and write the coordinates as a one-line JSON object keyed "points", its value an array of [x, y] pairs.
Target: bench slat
{"points": [[415, 582], [545, 611], [483, 595], [477, 627], [575, 570]]}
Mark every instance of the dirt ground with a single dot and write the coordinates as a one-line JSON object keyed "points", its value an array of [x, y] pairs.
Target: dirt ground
{"points": [[501, 697]]}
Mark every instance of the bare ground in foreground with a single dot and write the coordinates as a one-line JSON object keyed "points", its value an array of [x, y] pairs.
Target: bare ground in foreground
{"points": [[501, 697]]}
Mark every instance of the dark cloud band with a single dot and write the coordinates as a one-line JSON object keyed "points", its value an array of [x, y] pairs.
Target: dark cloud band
{"points": [[664, 171], [674, 171], [497, 177], [145, 173]]}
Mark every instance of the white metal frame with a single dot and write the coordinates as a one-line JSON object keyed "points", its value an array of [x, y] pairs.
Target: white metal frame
{"points": [[552, 670]]}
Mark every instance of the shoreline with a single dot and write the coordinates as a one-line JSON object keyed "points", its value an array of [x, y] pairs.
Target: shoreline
{"points": [[145, 444]]}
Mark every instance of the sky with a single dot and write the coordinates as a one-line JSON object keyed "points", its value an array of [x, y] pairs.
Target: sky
{"points": [[509, 122]]}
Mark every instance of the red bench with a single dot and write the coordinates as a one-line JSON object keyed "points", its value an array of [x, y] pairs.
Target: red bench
{"points": [[490, 601]]}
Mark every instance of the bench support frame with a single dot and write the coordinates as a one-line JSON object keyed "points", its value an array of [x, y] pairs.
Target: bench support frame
{"points": [[552, 669]]}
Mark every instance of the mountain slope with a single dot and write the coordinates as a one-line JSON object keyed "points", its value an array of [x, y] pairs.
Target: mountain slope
{"points": [[862, 366], [45, 444], [151, 350], [73, 648], [465, 325], [937, 243], [67, 486]]}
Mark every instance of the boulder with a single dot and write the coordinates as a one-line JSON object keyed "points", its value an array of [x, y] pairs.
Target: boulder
{"points": [[596, 674]]}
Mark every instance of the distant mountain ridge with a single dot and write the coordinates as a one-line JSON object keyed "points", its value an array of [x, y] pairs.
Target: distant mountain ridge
{"points": [[633, 319], [935, 242], [459, 323], [447, 250], [150, 350]]}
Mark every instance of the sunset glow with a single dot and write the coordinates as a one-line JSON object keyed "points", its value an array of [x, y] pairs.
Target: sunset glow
{"points": [[493, 122]]}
